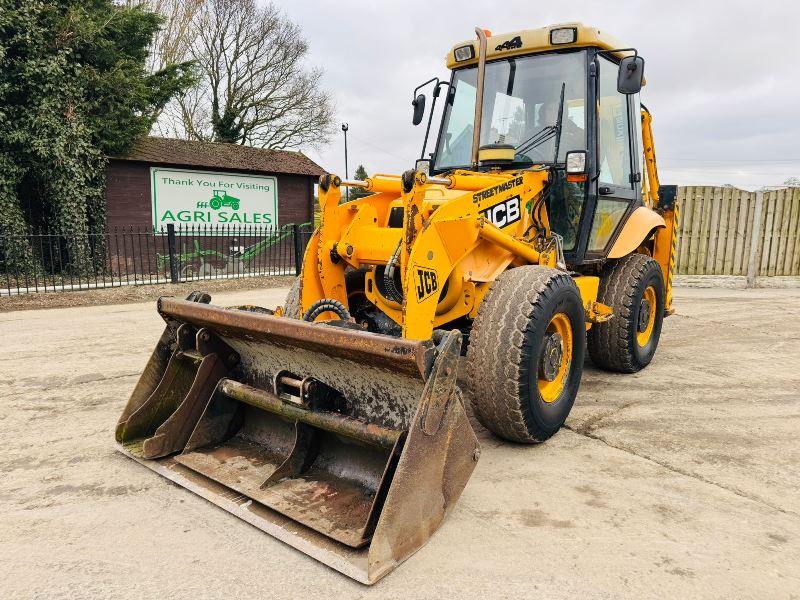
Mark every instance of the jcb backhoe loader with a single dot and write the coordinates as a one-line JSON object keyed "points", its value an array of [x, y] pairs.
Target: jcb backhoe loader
{"points": [[536, 230]]}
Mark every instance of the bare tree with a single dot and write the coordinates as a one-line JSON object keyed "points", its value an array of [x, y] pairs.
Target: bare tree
{"points": [[255, 88], [171, 45]]}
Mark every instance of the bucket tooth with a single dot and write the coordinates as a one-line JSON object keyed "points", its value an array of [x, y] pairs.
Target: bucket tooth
{"points": [[303, 454], [164, 422], [348, 445]]}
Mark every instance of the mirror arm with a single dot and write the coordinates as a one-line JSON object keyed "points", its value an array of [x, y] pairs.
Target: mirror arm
{"points": [[634, 50], [435, 95], [422, 85]]}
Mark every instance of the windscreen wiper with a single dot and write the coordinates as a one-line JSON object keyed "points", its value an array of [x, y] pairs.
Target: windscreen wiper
{"points": [[546, 133]]}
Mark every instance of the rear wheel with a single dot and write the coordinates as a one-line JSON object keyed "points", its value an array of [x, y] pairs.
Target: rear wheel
{"points": [[525, 354], [633, 287]]}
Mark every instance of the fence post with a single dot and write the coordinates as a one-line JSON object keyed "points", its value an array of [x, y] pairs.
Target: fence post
{"points": [[752, 261], [173, 253], [298, 249]]}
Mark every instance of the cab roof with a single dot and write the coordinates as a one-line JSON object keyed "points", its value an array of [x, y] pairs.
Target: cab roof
{"points": [[529, 41]]}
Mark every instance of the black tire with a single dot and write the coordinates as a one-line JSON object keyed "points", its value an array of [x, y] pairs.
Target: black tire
{"points": [[354, 283], [613, 345], [291, 306], [505, 349]]}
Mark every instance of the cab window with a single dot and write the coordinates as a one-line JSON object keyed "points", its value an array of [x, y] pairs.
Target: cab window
{"points": [[613, 131], [614, 156], [521, 99]]}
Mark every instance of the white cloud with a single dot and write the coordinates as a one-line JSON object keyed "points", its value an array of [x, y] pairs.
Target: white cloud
{"points": [[723, 77]]}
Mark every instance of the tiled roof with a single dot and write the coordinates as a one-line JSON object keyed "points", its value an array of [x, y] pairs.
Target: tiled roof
{"points": [[217, 155]]}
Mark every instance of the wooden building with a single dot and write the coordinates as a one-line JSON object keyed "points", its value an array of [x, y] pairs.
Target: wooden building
{"points": [[227, 173]]}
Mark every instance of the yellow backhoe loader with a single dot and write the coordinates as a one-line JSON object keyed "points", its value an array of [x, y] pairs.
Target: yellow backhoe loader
{"points": [[536, 230]]}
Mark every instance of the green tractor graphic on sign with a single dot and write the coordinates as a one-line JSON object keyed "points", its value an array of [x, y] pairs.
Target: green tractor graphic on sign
{"points": [[221, 198]]}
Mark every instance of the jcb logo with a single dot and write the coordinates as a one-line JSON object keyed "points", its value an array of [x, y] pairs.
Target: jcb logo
{"points": [[503, 213], [427, 283]]}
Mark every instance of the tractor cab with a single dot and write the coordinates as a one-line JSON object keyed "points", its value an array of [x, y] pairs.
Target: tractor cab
{"points": [[558, 98]]}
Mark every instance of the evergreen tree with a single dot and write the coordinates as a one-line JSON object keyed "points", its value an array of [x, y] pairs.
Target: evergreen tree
{"points": [[74, 89], [356, 192]]}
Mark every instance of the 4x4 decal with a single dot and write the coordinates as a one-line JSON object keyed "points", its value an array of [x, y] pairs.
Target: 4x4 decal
{"points": [[512, 44]]}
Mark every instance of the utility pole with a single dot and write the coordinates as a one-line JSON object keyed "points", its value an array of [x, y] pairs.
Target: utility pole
{"points": [[345, 127]]}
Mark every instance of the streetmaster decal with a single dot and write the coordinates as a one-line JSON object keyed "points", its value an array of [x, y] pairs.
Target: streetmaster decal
{"points": [[505, 186]]}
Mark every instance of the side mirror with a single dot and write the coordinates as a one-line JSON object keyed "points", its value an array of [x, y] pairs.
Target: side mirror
{"points": [[419, 109], [631, 75]]}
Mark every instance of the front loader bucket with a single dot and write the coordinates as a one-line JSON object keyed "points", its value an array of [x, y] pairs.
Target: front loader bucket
{"points": [[350, 446]]}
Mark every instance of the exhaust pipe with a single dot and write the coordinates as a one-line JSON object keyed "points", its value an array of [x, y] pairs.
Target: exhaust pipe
{"points": [[476, 128]]}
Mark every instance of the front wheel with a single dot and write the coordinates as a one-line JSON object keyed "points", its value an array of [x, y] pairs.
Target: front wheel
{"points": [[525, 354], [633, 287]]}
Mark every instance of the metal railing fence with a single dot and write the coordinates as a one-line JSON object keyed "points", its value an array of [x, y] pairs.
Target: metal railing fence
{"points": [[41, 261]]}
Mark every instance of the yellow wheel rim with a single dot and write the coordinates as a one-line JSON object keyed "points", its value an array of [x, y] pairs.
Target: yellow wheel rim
{"points": [[555, 358], [646, 325]]}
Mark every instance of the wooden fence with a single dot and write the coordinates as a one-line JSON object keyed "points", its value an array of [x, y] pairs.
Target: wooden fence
{"points": [[728, 231]]}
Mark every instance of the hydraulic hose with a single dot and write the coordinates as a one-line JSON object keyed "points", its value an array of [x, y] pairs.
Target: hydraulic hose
{"points": [[392, 293], [324, 305]]}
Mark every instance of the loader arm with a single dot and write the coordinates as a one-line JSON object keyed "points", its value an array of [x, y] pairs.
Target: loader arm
{"points": [[457, 236]]}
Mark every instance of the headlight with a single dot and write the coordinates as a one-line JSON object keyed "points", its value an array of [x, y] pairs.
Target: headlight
{"points": [[576, 166], [463, 53], [576, 162], [564, 35]]}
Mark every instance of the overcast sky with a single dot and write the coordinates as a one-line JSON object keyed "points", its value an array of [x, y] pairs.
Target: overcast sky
{"points": [[723, 78]]}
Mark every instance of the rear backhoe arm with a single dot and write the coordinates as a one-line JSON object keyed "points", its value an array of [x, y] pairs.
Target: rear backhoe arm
{"points": [[666, 239]]}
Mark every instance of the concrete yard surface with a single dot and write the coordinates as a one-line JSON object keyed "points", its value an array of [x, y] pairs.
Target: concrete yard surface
{"points": [[681, 481]]}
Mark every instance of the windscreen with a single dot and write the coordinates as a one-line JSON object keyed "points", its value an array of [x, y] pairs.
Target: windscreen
{"points": [[520, 102]]}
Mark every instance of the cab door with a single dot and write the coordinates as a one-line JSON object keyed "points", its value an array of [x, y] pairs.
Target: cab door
{"points": [[617, 178]]}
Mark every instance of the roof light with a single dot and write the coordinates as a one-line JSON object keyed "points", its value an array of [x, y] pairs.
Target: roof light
{"points": [[463, 53], [564, 35]]}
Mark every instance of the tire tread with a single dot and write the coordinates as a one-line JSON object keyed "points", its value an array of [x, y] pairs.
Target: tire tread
{"points": [[497, 349], [609, 343]]}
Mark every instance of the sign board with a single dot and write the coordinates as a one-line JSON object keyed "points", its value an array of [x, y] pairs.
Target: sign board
{"points": [[197, 198]]}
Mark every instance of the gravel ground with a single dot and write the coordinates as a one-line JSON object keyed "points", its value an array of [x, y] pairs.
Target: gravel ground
{"points": [[681, 481]]}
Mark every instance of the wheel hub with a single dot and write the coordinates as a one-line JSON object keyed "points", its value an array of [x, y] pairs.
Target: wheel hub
{"points": [[644, 315], [552, 354]]}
